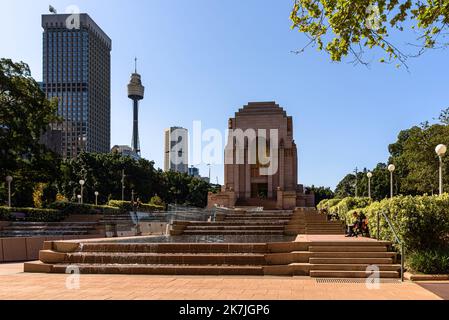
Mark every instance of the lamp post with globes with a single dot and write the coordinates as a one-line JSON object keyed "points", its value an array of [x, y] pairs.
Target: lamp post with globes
{"points": [[441, 150], [96, 197], [369, 175], [391, 168], [79, 198], [82, 183], [9, 180]]}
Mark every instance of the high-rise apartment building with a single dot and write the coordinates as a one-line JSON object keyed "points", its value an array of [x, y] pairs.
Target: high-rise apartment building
{"points": [[77, 70], [176, 156]]}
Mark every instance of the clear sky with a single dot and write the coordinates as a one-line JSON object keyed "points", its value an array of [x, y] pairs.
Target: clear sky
{"points": [[204, 59]]}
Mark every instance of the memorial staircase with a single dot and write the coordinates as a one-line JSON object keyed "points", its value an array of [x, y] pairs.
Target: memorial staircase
{"points": [[320, 250]]}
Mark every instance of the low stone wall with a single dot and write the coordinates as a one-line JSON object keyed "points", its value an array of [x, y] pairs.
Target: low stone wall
{"points": [[27, 249]]}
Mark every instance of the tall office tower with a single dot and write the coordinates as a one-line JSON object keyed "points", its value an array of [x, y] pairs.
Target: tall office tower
{"points": [[136, 93], [176, 157], [76, 70]]}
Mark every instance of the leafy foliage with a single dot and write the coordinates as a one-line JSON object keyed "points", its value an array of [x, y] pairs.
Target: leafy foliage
{"points": [[429, 262], [321, 193], [346, 27], [31, 214], [70, 208], [127, 206], [328, 203], [344, 206], [25, 114]]}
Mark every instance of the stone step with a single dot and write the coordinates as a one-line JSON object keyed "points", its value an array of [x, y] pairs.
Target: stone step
{"points": [[352, 274], [233, 232], [18, 223], [354, 267], [236, 223], [170, 258], [350, 243], [25, 233], [324, 232], [235, 227], [348, 249], [324, 223], [31, 228], [175, 248], [155, 269], [351, 261], [361, 254]]}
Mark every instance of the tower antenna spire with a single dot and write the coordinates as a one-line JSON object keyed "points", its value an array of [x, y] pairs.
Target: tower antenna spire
{"points": [[135, 65]]}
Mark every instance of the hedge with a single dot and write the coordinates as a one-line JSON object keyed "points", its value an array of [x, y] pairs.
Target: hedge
{"points": [[328, 203], [126, 205], [69, 208], [344, 206], [31, 214]]}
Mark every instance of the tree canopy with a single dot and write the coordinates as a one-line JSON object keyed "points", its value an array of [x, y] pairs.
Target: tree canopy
{"points": [[25, 114], [417, 164], [348, 27]]}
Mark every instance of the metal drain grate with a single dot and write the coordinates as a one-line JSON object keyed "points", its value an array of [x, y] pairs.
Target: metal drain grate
{"points": [[357, 280]]}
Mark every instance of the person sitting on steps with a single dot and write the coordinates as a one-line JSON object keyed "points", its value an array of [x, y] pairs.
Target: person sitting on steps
{"points": [[352, 228]]}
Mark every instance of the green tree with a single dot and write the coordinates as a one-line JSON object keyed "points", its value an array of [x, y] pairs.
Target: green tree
{"points": [[347, 27], [25, 114], [321, 193], [414, 156], [346, 187]]}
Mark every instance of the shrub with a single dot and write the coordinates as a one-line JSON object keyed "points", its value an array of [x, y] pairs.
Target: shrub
{"points": [[127, 206], [31, 214], [429, 262], [328, 203], [156, 200], [344, 206], [69, 208], [422, 222]]}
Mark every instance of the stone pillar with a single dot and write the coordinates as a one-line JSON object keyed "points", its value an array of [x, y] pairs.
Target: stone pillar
{"points": [[247, 181], [282, 167]]}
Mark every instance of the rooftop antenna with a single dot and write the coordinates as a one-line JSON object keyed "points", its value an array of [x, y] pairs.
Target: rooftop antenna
{"points": [[135, 65], [52, 9]]}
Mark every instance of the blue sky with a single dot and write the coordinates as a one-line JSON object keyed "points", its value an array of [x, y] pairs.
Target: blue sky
{"points": [[204, 59]]}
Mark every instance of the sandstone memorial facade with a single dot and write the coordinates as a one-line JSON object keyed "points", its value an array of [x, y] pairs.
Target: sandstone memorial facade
{"points": [[261, 161]]}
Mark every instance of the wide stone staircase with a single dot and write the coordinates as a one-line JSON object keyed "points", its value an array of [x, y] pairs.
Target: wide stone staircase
{"points": [[38, 229], [239, 223], [347, 259], [308, 221], [320, 250]]}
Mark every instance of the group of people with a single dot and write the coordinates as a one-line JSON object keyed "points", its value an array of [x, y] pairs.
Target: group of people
{"points": [[358, 227]]}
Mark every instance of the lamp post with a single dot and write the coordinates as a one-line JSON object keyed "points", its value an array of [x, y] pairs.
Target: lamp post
{"points": [[356, 171], [123, 185], [96, 197], [209, 170], [441, 150], [9, 180], [391, 168], [79, 198], [369, 175], [82, 183]]}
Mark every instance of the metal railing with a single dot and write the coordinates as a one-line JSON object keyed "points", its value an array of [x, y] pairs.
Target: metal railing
{"points": [[398, 241]]}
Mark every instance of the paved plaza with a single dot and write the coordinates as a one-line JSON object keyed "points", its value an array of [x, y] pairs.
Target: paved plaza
{"points": [[16, 285]]}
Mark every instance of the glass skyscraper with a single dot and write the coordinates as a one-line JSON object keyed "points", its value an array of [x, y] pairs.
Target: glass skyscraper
{"points": [[76, 70]]}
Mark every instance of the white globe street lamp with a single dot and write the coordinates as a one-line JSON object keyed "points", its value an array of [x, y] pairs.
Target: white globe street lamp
{"points": [[391, 168], [82, 183], [369, 175], [9, 180], [441, 150], [96, 197], [79, 198]]}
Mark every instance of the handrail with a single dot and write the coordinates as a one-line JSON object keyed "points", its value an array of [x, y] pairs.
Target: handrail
{"points": [[398, 241]]}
